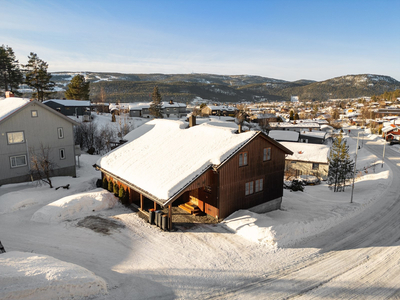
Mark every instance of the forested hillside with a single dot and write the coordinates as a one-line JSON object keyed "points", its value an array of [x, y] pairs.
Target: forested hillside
{"points": [[227, 88]]}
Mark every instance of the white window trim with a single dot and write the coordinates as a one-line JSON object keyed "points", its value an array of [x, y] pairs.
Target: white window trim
{"points": [[17, 166], [60, 132], [32, 113], [12, 143]]}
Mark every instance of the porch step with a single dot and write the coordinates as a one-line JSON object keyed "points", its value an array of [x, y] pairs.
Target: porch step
{"points": [[190, 208]]}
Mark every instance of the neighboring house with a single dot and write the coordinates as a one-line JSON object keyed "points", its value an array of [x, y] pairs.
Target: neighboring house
{"points": [[299, 126], [391, 132], [263, 117], [219, 110], [307, 159], [167, 163], [25, 125], [314, 137], [169, 109], [69, 107], [284, 135]]}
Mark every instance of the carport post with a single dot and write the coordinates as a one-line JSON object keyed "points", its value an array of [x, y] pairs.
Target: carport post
{"points": [[141, 202], [170, 216]]}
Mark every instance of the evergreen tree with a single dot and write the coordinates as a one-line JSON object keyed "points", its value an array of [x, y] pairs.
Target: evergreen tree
{"points": [[156, 105], [291, 115], [10, 73], [38, 78], [110, 186], [78, 89], [340, 165]]}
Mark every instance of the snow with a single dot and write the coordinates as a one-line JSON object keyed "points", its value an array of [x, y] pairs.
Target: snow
{"points": [[11, 105], [33, 276], [75, 206], [172, 154], [292, 251], [317, 153], [284, 135]]}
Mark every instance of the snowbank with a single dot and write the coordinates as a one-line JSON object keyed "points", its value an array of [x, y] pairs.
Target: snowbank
{"points": [[75, 206], [33, 276]]}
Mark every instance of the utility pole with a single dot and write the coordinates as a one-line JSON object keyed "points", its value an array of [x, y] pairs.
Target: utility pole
{"points": [[384, 146], [354, 172]]}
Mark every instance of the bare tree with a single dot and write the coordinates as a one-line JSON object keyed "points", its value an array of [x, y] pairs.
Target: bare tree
{"points": [[264, 125], [41, 166]]}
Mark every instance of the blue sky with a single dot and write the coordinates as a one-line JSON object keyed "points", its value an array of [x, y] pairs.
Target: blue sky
{"points": [[287, 40]]}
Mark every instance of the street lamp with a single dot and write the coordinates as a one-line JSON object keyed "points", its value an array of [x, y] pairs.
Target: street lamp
{"points": [[354, 172]]}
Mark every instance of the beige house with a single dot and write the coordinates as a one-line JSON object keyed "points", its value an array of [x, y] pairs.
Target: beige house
{"points": [[26, 125], [307, 159]]}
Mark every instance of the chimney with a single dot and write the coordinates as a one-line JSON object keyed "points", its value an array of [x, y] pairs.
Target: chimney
{"points": [[192, 121], [9, 94], [171, 101], [240, 128]]}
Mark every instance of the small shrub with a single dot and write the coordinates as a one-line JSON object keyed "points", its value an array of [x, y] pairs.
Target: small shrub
{"points": [[121, 193], [116, 189], [110, 186], [105, 183]]}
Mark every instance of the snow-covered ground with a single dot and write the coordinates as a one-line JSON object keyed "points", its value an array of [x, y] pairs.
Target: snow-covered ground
{"points": [[50, 253]]}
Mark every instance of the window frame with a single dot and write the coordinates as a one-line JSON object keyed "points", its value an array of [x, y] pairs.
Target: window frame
{"points": [[62, 157], [34, 113], [12, 132], [249, 188], [60, 132], [243, 158], [259, 185], [267, 154], [15, 157], [315, 166]]}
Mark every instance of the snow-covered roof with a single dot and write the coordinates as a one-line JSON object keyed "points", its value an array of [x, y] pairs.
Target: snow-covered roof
{"points": [[307, 152], [164, 155], [284, 135], [139, 105], [173, 104], [69, 102], [222, 107], [10, 105], [316, 134], [389, 128], [287, 124]]}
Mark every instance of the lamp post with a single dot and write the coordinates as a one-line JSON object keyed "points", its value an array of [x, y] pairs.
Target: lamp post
{"points": [[354, 172]]}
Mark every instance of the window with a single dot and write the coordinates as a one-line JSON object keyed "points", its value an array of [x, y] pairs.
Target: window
{"points": [[249, 188], [315, 166], [62, 153], [60, 132], [18, 161], [259, 185], [243, 159], [267, 154], [34, 113], [15, 137]]}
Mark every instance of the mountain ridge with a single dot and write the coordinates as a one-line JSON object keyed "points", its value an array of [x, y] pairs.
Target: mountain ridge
{"points": [[126, 87]]}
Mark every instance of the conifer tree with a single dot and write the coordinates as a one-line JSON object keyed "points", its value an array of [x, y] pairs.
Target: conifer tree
{"points": [[340, 165], [38, 78], [10, 73], [78, 89], [156, 105]]}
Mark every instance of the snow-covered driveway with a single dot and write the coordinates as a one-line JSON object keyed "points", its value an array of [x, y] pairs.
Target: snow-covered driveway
{"points": [[359, 258]]}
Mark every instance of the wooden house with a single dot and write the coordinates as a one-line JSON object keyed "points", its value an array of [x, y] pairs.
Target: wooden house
{"points": [[167, 163]]}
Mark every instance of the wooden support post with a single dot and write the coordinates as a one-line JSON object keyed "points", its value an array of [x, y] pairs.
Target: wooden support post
{"points": [[170, 216], [141, 202], [155, 205]]}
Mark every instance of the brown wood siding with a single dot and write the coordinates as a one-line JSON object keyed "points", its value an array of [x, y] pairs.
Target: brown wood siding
{"points": [[232, 178]]}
